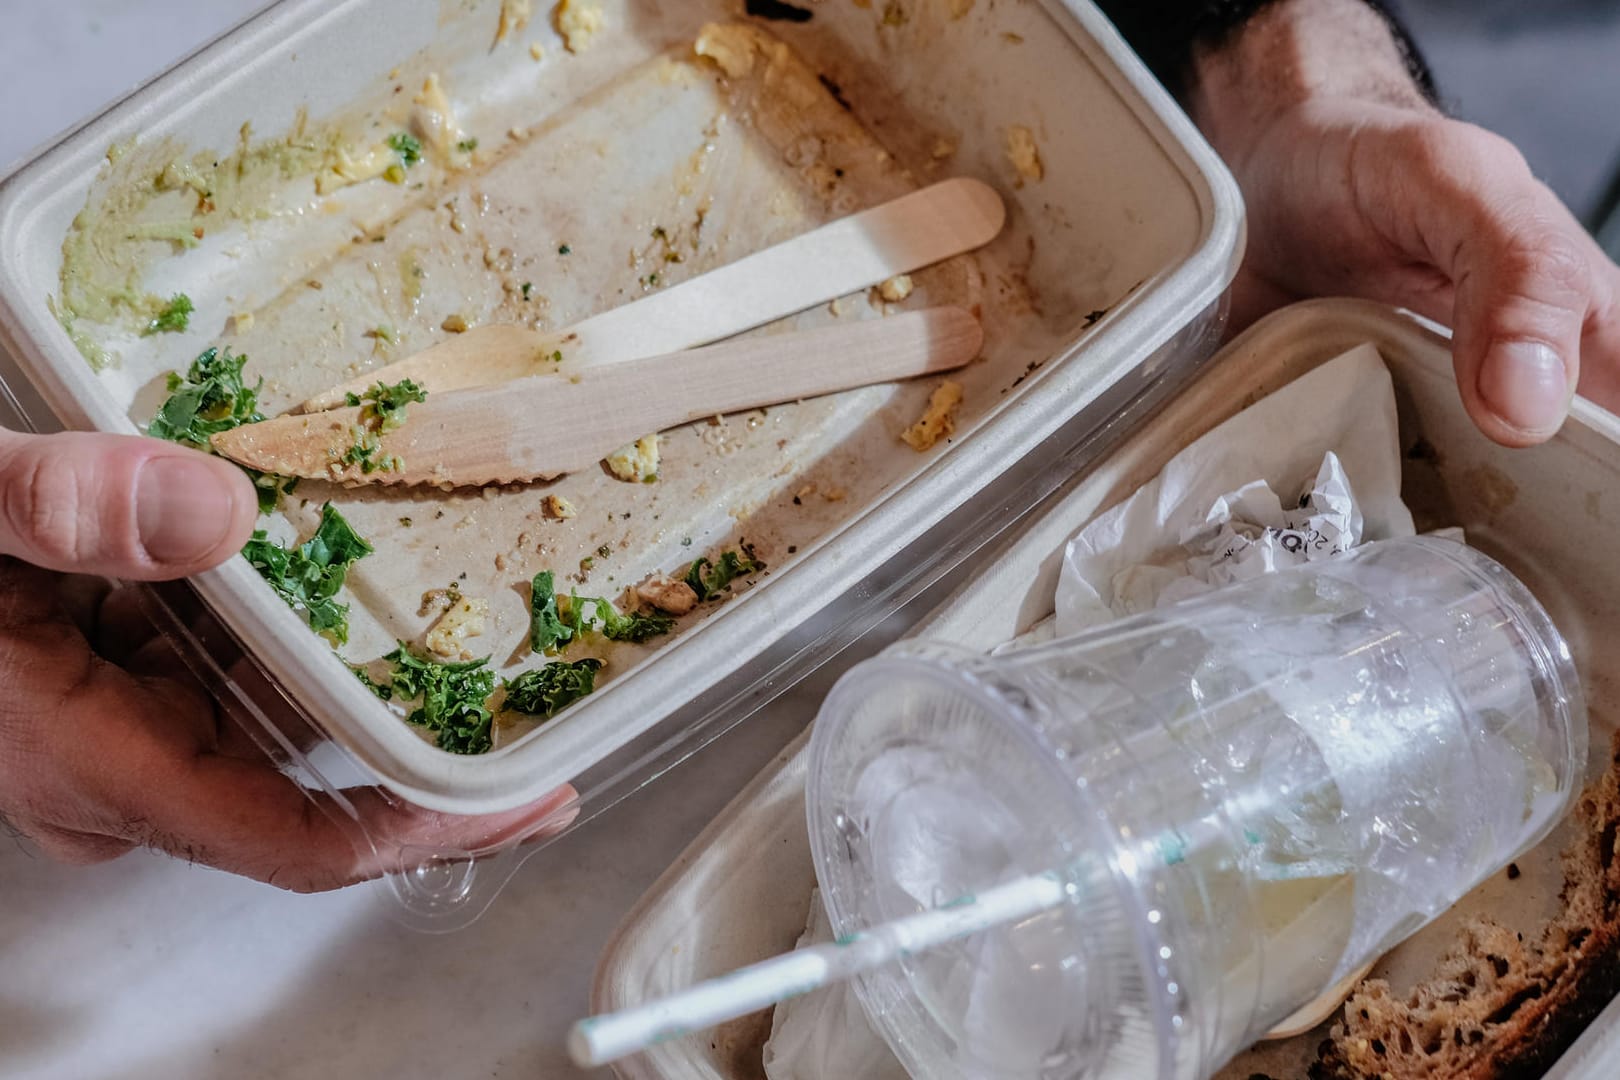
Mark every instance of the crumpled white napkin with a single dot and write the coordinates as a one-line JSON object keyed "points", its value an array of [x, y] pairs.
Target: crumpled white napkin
{"points": [[825, 1033], [1310, 471], [1247, 533]]}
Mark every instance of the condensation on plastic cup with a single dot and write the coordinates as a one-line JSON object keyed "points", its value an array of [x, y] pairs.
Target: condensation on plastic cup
{"points": [[1252, 793]]}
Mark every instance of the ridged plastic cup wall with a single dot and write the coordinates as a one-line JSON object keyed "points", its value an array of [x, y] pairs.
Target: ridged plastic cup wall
{"points": [[1249, 795]]}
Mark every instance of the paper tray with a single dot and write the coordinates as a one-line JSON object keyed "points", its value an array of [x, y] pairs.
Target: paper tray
{"points": [[1135, 216], [741, 891]]}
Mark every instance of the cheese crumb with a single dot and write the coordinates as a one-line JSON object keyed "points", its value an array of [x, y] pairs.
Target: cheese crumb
{"points": [[436, 124], [578, 21], [730, 46], [636, 463], [558, 508], [1024, 155], [939, 421], [667, 595], [515, 15], [353, 168], [448, 636], [536, 52], [896, 288]]}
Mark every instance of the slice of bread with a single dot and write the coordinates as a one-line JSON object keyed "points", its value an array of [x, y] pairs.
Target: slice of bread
{"points": [[1497, 1005]]}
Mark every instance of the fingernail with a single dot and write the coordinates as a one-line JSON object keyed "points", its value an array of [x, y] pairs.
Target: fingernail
{"points": [[1525, 383], [182, 509]]}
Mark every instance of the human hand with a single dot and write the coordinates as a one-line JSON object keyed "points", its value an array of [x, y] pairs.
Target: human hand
{"points": [[1356, 185], [106, 743]]}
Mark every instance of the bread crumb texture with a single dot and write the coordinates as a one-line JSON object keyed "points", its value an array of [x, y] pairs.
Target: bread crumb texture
{"points": [[1024, 154], [636, 463], [939, 422], [578, 22], [466, 618], [515, 15], [896, 289], [1499, 1006]]}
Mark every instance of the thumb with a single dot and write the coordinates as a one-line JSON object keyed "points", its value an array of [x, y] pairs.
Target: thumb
{"points": [[1524, 290], [119, 506]]}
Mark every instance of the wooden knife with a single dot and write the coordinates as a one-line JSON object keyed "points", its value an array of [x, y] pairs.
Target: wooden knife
{"points": [[542, 426]]}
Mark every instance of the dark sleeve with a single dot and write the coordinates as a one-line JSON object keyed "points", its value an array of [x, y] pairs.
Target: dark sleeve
{"points": [[1164, 33]]}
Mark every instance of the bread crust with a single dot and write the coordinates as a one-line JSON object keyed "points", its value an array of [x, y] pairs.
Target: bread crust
{"points": [[1499, 1007]]}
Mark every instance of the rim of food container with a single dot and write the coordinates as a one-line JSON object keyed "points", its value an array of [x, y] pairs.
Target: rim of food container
{"points": [[650, 691]]}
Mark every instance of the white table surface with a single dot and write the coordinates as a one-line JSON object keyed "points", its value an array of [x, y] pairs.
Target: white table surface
{"points": [[147, 967]]}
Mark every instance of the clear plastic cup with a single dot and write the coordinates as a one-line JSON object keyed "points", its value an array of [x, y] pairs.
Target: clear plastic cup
{"points": [[1250, 795]]}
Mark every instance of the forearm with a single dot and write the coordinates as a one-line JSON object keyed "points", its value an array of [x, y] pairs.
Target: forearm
{"points": [[1294, 41], [1288, 53]]}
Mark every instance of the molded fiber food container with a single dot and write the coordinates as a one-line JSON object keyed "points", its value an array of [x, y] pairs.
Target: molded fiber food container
{"points": [[571, 165], [741, 891]]}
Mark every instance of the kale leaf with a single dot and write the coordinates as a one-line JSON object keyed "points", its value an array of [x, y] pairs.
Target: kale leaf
{"points": [[308, 577], [547, 691], [385, 691], [452, 699], [407, 146], [633, 626], [547, 631], [385, 405], [708, 579], [174, 318], [553, 625], [212, 397]]}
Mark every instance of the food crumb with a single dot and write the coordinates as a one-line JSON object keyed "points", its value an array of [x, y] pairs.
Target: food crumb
{"points": [[1023, 154], [455, 324], [437, 601], [731, 47], [515, 15], [434, 120], [834, 494], [558, 508], [939, 421], [536, 52], [1513, 871], [636, 463], [667, 595], [578, 21], [944, 148], [896, 289], [465, 619]]}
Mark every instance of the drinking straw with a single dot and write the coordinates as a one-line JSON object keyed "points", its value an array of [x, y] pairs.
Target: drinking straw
{"points": [[598, 1040]]}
